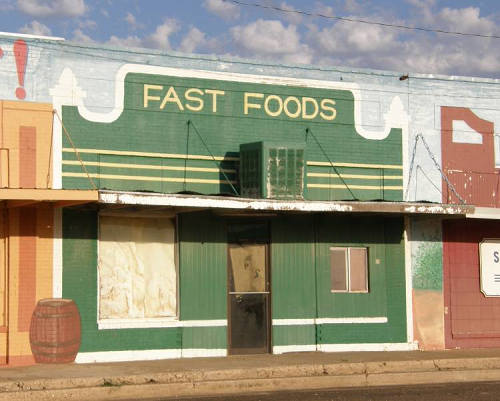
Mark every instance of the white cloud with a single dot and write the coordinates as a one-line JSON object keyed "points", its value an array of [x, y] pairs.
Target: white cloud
{"points": [[465, 20], [271, 39], [196, 40], [223, 9], [87, 24], [130, 41], [50, 8], [372, 46], [160, 38], [36, 28], [291, 17], [352, 6], [79, 36], [132, 21]]}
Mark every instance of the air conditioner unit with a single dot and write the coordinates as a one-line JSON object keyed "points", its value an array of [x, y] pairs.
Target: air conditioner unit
{"points": [[272, 171]]}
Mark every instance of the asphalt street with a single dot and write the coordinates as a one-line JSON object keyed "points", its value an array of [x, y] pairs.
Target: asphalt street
{"points": [[444, 392]]}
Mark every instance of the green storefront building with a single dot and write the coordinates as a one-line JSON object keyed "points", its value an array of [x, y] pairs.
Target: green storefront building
{"points": [[238, 214]]}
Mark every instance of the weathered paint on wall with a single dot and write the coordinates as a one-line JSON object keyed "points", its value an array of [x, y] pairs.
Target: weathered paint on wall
{"points": [[427, 279], [26, 231]]}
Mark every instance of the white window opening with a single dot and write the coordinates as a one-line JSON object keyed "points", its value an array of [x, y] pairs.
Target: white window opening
{"points": [[349, 269], [137, 271]]}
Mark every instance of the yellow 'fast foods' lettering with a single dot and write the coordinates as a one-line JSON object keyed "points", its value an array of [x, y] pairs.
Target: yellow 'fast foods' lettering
{"points": [[192, 98], [326, 106], [171, 97], [247, 105], [147, 96], [214, 94]]}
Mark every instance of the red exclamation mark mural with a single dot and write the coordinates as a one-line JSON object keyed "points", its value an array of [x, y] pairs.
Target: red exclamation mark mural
{"points": [[21, 55]]}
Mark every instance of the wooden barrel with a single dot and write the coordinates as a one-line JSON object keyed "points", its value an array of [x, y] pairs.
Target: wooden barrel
{"points": [[55, 331]]}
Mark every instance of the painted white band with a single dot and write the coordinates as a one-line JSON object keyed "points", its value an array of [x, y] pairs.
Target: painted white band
{"points": [[282, 349], [338, 320], [147, 355], [368, 347], [157, 323]]}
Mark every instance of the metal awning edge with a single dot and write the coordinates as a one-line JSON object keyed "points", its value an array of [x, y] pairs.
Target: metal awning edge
{"points": [[232, 203]]}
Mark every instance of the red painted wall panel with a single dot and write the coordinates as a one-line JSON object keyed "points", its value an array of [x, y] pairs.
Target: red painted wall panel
{"points": [[472, 320], [470, 167]]}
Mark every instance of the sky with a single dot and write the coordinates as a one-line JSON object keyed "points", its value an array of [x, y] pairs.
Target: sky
{"points": [[225, 28]]}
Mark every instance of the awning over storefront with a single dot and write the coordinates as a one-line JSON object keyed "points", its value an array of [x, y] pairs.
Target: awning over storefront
{"points": [[183, 202]]}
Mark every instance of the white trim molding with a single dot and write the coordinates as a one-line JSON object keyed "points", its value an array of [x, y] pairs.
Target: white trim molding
{"points": [[282, 349], [368, 347], [335, 320], [122, 356], [109, 324], [147, 355]]}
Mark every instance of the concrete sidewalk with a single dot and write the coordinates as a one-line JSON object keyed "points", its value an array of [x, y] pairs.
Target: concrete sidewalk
{"points": [[243, 374]]}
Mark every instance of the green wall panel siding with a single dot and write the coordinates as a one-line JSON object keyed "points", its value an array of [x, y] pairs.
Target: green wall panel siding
{"points": [[80, 284], [345, 232], [387, 284], [204, 337], [153, 129], [292, 273], [203, 261], [294, 335]]}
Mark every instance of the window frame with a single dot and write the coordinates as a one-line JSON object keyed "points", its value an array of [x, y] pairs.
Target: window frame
{"points": [[145, 322], [347, 252]]}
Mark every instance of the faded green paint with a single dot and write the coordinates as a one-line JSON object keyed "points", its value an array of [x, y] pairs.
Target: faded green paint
{"points": [[300, 280], [294, 335], [166, 130], [384, 239], [203, 266], [204, 337], [80, 284], [427, 254], [292, 273], [428, 270]]}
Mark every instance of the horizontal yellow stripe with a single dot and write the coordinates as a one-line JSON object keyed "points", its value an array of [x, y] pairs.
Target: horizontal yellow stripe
{"points": [[334, 186], [148, 166], [364, 177], [219, 158], [362, 165], [143, 178], [150, 154]]}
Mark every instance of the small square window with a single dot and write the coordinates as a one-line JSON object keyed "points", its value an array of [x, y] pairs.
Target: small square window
{"points": [[349, 269]]}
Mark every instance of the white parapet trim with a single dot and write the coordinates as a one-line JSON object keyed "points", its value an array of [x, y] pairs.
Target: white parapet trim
{"points": [[147, 355]]}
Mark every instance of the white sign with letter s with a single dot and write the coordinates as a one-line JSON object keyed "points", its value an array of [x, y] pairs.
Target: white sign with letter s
{"points": [[489, 265]]}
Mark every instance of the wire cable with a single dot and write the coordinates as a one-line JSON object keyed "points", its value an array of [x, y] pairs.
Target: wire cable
{"points": [[361, 21]]}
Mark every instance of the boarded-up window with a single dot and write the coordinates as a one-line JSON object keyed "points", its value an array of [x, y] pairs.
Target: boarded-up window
{"points": [[137, 273], [349, 269]]}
